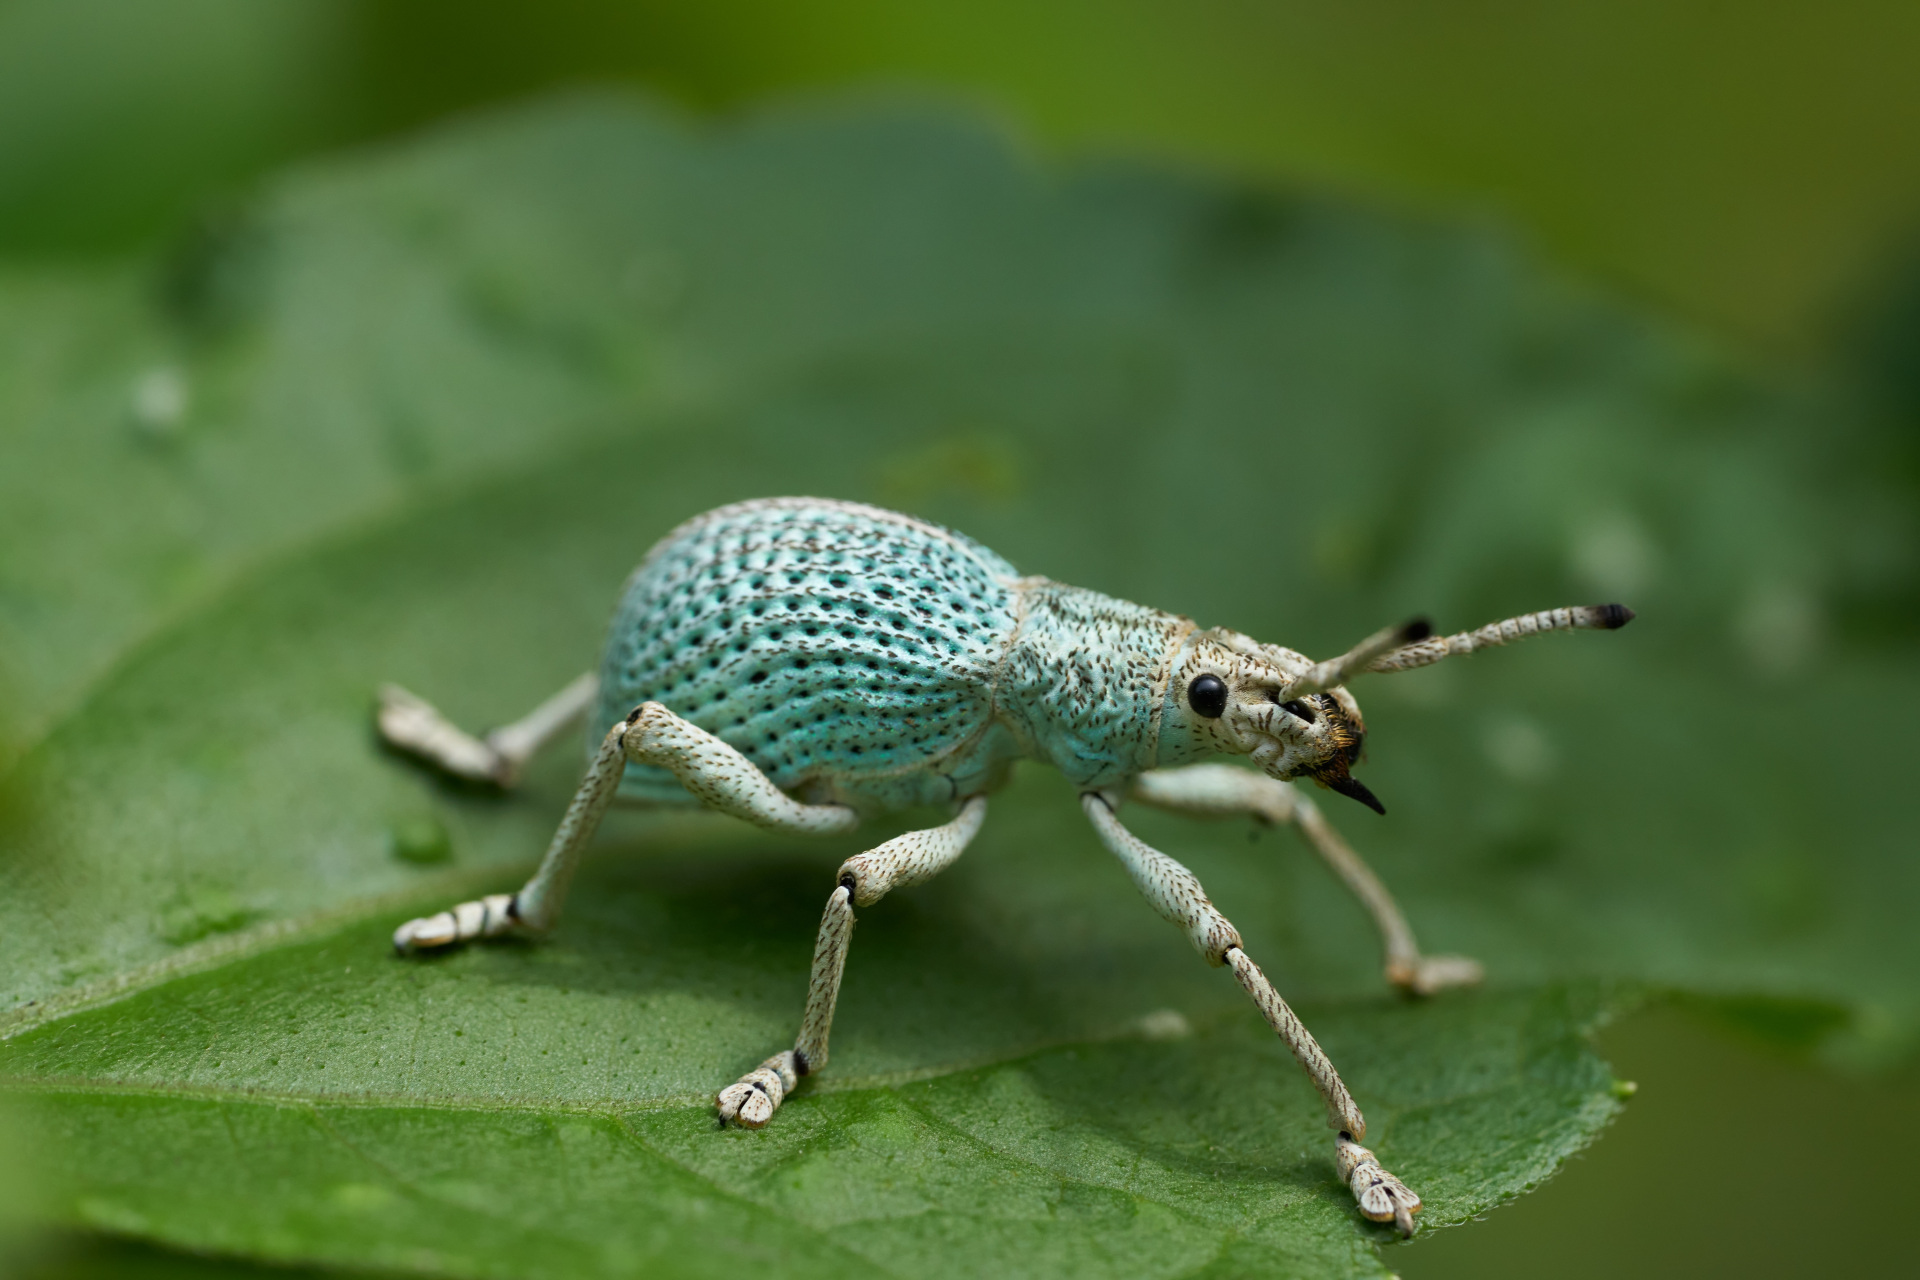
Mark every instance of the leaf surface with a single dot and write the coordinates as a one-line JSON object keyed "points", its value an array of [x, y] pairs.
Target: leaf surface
{"points": [[414, 416]]}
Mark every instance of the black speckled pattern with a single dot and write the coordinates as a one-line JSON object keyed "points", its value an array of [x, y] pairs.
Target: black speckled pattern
{"points": [[830, 643]]}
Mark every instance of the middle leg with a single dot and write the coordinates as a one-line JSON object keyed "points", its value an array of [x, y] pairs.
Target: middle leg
{"points": [[1176, 894], [1221, 789], [864, 879]]}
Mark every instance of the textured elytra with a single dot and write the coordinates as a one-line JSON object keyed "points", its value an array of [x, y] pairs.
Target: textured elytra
{"points": [[838, 647]]}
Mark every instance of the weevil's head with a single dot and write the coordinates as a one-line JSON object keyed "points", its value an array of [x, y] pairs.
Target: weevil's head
{"points": [[1293, 716], [1232, 695]]}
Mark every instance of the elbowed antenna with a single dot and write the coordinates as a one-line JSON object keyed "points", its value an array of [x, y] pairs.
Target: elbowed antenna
{"points": [[1429, 650], [1364, 656]]}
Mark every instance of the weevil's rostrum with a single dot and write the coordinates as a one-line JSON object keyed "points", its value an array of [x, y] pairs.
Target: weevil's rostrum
{"points": [[799, 662]]}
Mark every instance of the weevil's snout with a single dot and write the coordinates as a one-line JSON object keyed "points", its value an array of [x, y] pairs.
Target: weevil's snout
{"points": [[1328, 751]]}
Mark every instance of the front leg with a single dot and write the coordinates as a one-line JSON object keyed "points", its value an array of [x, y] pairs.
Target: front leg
{"points": [[1221, 789], [864, 879], [1176, 894]]}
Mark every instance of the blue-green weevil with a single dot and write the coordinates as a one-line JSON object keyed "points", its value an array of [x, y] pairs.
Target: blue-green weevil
{"points": [[799, 662]]}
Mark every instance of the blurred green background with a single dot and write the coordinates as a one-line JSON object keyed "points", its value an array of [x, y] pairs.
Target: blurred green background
{"points": [[1751, 167], [1753, 171]]}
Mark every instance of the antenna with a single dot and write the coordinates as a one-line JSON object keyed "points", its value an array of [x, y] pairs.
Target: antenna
{"points": [[1364, 656], [1430, 649]]}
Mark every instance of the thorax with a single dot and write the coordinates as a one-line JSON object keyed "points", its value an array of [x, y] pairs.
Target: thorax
{"points": [[1083, 683]]}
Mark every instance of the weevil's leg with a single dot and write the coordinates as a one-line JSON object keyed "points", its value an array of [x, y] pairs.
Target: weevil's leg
{"points": [[711, 770], [1221, 789], [1406, 966], [537, 904], [1176, 894], [413, 724], [864, 879]]}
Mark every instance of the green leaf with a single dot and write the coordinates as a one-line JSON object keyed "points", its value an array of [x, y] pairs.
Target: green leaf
{"points": [[546, 1110], [413, 417]]}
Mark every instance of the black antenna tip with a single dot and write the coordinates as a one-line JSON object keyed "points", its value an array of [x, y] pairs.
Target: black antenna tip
{"points": [[1354, 789], [1614, 616], [1420, 628]]}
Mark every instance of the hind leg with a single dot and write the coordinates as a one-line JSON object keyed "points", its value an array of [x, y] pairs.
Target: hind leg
{"points": [[712, 771], [415, 725]]}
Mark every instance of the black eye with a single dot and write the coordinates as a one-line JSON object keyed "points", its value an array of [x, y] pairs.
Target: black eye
{"points": [[1298, 708], [1207, 695]]}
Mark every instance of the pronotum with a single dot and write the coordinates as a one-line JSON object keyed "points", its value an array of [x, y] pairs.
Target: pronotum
{"points": [[800, 662]]}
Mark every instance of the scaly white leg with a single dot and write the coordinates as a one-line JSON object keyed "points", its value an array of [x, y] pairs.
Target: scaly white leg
{"points": [[718, 775], [413, 724], [864, 879], [1176, 894], [1221, 789]]}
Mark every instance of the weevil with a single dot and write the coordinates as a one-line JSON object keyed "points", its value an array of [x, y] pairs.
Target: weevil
{"points": [[802, 662]]}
